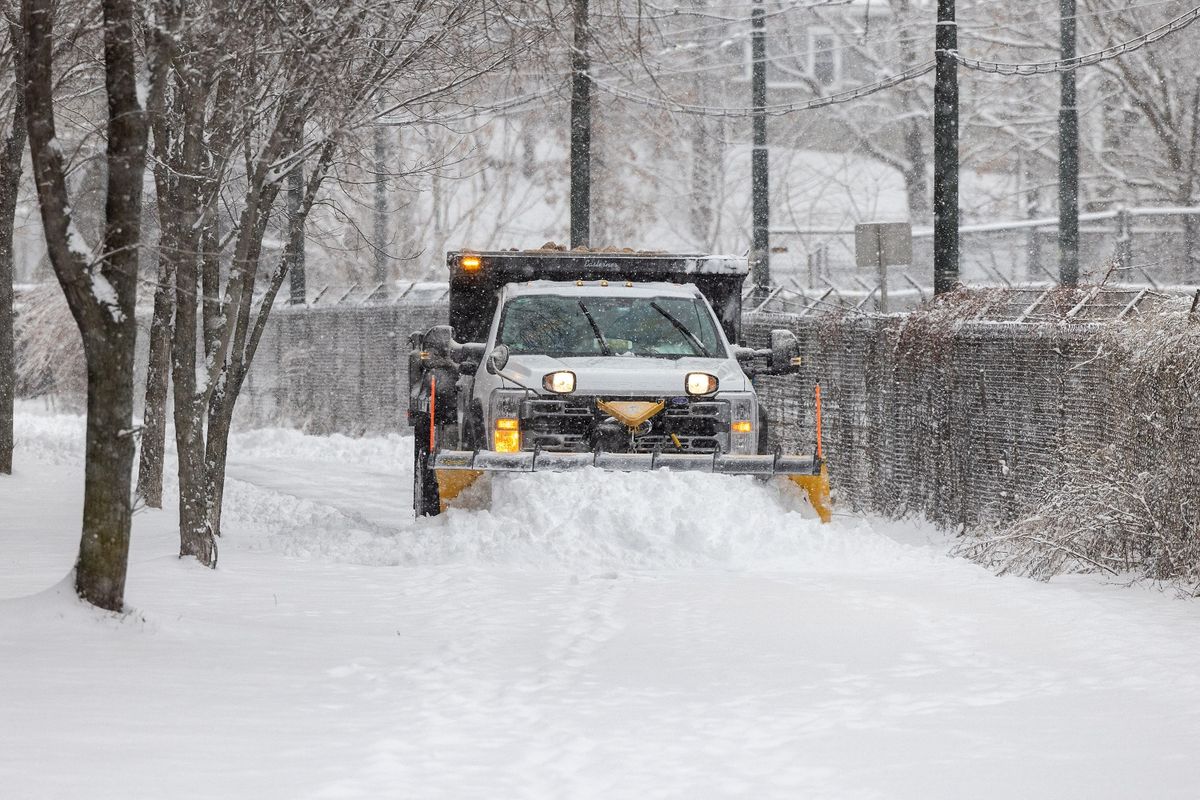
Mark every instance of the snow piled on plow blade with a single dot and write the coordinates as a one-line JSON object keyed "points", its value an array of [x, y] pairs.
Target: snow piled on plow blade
{"points": [[587, 518], [349, 500]]}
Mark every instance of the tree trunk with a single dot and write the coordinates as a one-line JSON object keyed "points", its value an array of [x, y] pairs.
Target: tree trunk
{"points": [[219, 423], [915, 148], [7, 366], [104, 548], [705, 163], [210, 284], [9, 181], [10, 185], [916, 173], [916, 183], [100, 288], [195, 533], [158, 366]]}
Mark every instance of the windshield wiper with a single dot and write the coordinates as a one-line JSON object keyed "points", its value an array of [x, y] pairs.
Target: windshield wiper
{"points": [[679, 326], [604, 348]]}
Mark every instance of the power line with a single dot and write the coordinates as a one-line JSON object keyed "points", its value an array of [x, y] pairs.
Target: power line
{"points": [[771, 110], [1043, 67], [895, 28], [731, 33], [849, 95], [1070, 64]]}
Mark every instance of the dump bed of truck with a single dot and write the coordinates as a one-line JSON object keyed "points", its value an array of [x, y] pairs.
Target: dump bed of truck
{"points": [[476, 275]]}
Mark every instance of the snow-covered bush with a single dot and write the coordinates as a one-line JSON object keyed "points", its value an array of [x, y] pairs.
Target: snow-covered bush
{"points": [[49, 352], [1131, 506]]}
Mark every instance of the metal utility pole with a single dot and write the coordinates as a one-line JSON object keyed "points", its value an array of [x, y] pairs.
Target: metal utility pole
{"points": [[381, 216], [295, 199], [760, 247], [581, 130], [945, 151], [1068, 156]]}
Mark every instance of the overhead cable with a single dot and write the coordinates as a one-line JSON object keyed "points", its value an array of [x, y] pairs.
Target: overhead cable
{"points": [[1070, 64], [770, 110]]}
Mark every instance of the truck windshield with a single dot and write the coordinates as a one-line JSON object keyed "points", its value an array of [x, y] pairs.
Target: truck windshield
{"points": [[658, 327]]}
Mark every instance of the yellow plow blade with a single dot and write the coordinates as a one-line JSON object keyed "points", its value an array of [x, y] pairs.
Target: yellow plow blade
{"points": [[817, 489], [456, 470], [453, 482]]}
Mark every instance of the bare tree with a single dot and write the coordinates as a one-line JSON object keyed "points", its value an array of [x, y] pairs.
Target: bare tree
{"points": [[100, 287], [11, 154], [1151, 137], [251, 94], [174, 111]]}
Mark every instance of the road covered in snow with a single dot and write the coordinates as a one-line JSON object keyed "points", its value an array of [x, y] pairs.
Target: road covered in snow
{"points": [[591, 635]]}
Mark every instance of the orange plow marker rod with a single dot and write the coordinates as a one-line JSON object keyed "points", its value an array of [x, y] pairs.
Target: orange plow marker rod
{"points": [[820, 454], [433, 408]]}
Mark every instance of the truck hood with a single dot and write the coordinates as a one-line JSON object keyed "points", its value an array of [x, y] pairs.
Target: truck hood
{"points": [[627, 375]]}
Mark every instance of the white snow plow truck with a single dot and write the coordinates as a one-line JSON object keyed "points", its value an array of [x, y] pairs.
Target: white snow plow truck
{"points": [[559, 360]]}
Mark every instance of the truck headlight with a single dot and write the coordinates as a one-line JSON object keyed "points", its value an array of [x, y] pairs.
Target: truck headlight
{"points": [[700, 383], [561, 382]]}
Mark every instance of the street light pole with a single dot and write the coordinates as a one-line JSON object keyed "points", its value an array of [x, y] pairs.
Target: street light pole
{"points": [[581, 130], [945, 151], [1068, 156], [760, 248]]}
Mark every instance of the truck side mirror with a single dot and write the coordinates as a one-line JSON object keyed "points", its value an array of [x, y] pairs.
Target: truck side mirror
{"points": [[785, 352], [497, 359], [469, 353], [745, 354]]}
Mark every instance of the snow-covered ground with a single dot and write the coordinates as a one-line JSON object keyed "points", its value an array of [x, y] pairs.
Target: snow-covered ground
{"points": [[593, 635]]}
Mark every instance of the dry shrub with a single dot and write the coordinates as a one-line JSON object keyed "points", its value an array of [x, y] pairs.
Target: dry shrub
{"points": [[1131, 507], [1100, 516], [49, 352]]}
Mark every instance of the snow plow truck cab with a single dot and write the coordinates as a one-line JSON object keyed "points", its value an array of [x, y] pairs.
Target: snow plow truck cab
{"points": [[559, 360]]}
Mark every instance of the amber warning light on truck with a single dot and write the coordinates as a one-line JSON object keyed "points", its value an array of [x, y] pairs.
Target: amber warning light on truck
{"points": [[470, 263]]}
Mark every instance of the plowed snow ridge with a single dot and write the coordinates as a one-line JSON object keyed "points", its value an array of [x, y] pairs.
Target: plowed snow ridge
{"points": [[588, 519]]}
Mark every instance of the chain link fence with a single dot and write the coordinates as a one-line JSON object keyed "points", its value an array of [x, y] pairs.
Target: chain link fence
{"points": [[338, 369], [974, 423], [970, 413], [957, 425]]}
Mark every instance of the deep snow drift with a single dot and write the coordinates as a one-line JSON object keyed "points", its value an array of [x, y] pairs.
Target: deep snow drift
{"points": [[592, 635]]}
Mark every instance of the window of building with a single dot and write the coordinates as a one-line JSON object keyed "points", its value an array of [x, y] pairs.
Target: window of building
{"points": [[823, 61]]}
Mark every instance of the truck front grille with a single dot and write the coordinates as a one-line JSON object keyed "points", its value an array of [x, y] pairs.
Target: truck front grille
{"points": [[573, 424]]}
